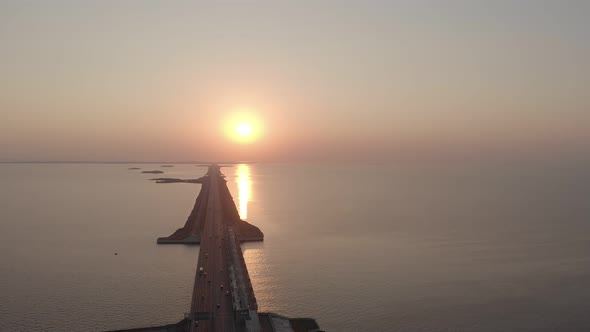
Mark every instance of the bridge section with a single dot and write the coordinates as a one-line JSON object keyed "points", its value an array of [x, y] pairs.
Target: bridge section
{"points": [[223, 298]]}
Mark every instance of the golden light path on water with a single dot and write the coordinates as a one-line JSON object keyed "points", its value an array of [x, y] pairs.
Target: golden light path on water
{"points": [[244, 189], [254, 256]]}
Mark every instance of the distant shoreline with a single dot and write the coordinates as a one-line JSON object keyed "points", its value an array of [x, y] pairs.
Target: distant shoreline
{"points": [[141, 162]]}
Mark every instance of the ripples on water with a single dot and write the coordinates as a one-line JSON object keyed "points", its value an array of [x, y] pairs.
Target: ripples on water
{"points": [[359, 247]]}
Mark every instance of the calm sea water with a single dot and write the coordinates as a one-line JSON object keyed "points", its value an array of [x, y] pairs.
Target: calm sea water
{"points": [[358, 247]]}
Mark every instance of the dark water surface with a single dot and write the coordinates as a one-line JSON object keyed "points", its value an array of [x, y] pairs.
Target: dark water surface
{"points": [[358, 247]]}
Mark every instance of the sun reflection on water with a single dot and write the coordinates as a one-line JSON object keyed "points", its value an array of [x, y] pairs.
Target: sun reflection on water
{"points": [[244, 189]]}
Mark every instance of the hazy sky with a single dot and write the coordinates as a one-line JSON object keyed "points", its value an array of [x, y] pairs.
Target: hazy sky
{"points": [[154, 80]]}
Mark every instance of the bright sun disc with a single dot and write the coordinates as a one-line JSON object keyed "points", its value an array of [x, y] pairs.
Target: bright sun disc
{"points": [[243, 127]]}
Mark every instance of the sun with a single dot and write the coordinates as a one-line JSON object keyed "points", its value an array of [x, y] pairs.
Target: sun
{"points": [[243, 127]]}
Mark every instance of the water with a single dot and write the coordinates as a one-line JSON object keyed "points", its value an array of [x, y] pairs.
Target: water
{"points": [[392, 247]]}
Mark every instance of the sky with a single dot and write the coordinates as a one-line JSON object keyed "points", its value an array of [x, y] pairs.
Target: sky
{"points": [[326, 80]]}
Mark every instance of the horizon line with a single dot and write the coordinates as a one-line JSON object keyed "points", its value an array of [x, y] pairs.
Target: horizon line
{"points": [[129, 162]]}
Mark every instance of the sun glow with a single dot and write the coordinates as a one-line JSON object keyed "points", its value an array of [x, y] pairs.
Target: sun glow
{"points": [[243, 127]]}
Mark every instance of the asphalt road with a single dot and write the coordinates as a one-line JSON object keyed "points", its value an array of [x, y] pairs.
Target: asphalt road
{"points": [[211, 286]]}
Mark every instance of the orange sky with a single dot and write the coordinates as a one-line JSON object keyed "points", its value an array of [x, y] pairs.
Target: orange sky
{"points": [[369, 80]]}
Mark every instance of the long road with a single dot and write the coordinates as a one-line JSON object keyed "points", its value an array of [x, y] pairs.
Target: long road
{"points": [[223, 298]]}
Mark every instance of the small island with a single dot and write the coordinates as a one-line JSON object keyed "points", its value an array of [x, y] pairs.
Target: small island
{"points": [[167, 166], [133, 168], [153, 172], [175, 180]]}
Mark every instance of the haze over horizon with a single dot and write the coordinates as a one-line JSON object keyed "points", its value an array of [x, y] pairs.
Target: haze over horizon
{"points": [[330, 80]]}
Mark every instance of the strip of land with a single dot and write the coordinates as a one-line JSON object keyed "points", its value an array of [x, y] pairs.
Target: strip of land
{"points": [[223, 297]]}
